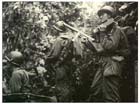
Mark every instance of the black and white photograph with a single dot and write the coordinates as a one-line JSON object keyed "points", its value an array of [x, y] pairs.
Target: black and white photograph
{"points": [[69, 51]]}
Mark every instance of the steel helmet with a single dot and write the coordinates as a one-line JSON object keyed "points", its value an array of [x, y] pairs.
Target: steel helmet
{"points": [[107, 9], [16, 56]]}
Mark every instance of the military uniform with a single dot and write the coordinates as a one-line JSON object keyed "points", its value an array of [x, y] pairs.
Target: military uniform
{"points": [[19, 80], [60, 58], [107, 72], [19, 77]]}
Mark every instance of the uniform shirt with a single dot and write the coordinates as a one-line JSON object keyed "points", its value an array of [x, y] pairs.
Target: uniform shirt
{"points": [[57, 47], [113, 49], [63, 74], [112, 41], [18, 80]]}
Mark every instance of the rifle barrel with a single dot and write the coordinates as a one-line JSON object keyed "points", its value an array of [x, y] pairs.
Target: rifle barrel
{"points": [[78, 31]]}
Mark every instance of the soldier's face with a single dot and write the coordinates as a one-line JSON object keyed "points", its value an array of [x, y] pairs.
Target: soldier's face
{"points": [[104, 17]]}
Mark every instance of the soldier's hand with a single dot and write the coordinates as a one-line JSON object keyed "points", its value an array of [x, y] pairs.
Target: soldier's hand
{"points": [[60, 23], [96, 30], [102, 27]]}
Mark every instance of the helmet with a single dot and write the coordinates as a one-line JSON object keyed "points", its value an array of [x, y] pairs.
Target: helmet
{"points": [[107, 9], [16, 56], [59, 26]]}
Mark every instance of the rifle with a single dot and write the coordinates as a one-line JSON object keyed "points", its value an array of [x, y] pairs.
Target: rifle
{"points": [[26, 97], [76, 30], [95, 45]]}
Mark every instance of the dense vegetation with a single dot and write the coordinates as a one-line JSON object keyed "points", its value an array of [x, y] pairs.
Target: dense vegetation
{"points": [[27, 26]]}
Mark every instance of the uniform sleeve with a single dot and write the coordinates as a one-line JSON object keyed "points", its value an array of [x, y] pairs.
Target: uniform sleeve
{"points": [[15, 83], [55, 51], [111, 42], [108, 43], [18, 80]]}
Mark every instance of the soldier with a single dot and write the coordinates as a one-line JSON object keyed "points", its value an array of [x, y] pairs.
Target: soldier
{"points": [[17, 78], [60, 58], [20, 78], [111, 52]]}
